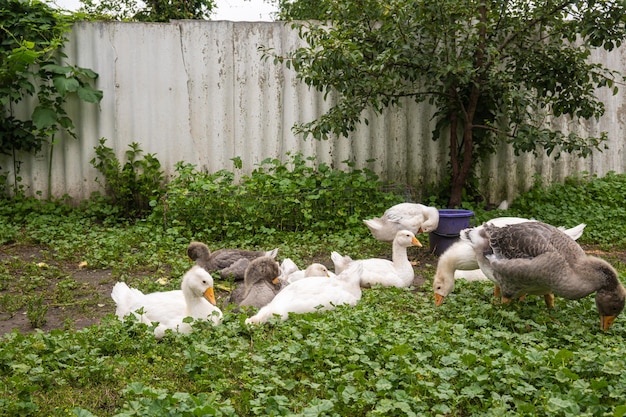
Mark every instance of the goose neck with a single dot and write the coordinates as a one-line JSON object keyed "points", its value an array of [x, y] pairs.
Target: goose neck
{"points": [[399, 253]]}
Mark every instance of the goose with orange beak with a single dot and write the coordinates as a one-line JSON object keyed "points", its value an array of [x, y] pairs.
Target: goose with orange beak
{"points": [[416, 218], [537, 258], [395, 273], [195, 299]]}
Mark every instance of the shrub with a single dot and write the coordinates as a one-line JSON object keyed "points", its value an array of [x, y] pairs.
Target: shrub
{"points": [[274, 197], [132, 185]]}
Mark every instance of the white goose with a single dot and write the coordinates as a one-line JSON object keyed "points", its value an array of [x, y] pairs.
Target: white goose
{"points": [[395, 273], [416, 218], [459, 260], [313, 270], [313, 294], [195, 299], [537, 258], [341, 262]]}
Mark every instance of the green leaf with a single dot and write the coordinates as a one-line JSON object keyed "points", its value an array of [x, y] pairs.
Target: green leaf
{"points": [[65, 85], [81, 412], [89, 94], [44, 117], [620, 411], [88, 73], [57, 69]]}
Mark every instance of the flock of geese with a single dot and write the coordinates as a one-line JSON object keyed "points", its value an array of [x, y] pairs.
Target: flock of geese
{"points": [[520, 256]]}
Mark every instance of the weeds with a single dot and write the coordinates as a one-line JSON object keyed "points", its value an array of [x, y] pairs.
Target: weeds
{"points": [[36, 311], [275, 197]]}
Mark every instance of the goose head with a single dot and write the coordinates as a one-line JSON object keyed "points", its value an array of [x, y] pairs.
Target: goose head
{"points": [[316, 270], [264, 268], [442, 287], [610, 298], [198, 251], [431, 220], [198, 283], [406, 238]]}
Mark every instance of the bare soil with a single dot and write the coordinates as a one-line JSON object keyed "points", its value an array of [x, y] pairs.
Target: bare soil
{"points": [[92, 300]]}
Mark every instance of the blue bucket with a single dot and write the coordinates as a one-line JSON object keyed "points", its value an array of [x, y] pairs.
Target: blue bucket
{"points": [[451, 222]]}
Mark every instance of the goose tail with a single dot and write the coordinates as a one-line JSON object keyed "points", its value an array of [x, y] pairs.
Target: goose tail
{"points": [[272, 253], [576, 231], [373, 224], [124, 298], [473, 235]]}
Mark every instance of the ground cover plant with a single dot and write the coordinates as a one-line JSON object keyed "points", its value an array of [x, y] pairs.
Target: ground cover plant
{"points": [[392, 354]]}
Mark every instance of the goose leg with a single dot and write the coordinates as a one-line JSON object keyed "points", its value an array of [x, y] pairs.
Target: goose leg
{"points": [[505, 300], [549, 298], [496, 291], [523, 297]]}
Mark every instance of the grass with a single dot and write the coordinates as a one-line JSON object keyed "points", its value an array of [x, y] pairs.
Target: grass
{"points": [[394, 354]]}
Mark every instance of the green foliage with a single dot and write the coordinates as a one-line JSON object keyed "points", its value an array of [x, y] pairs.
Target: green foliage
{"points": [[581, 199], [31, 38], [274, 197], [148, 11], [302, 10], [146, 401], [494, 71], [133, 185], [36, 311], [394, 354]]}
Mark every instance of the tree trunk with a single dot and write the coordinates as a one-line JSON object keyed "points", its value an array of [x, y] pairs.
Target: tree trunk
{"points": [[456, 183], [461, 159]]}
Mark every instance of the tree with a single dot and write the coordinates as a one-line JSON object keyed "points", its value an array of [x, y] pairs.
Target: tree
{"points": [[302, 10], [147, 10], [492, 69]]}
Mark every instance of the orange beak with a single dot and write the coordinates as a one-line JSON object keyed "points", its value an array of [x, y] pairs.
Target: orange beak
{"points": [[420, 230], [416, 242], [276, 281], [439, 299], [210, 295], [606, 322]]}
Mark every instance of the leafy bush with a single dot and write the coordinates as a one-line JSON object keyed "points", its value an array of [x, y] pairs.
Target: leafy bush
{"points": [[133, 185], [598, 202], [272, 198], [146, 11]]}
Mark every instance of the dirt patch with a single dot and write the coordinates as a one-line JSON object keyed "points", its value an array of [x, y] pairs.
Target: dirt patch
{"points": [[33, 270]]}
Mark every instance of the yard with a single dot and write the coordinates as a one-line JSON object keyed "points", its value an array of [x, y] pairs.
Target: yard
{"points": [[394, 353]]}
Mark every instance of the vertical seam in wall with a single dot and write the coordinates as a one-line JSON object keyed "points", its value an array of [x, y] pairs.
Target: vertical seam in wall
{"points": [[233, 138], [187, 80], [115, 78]]}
